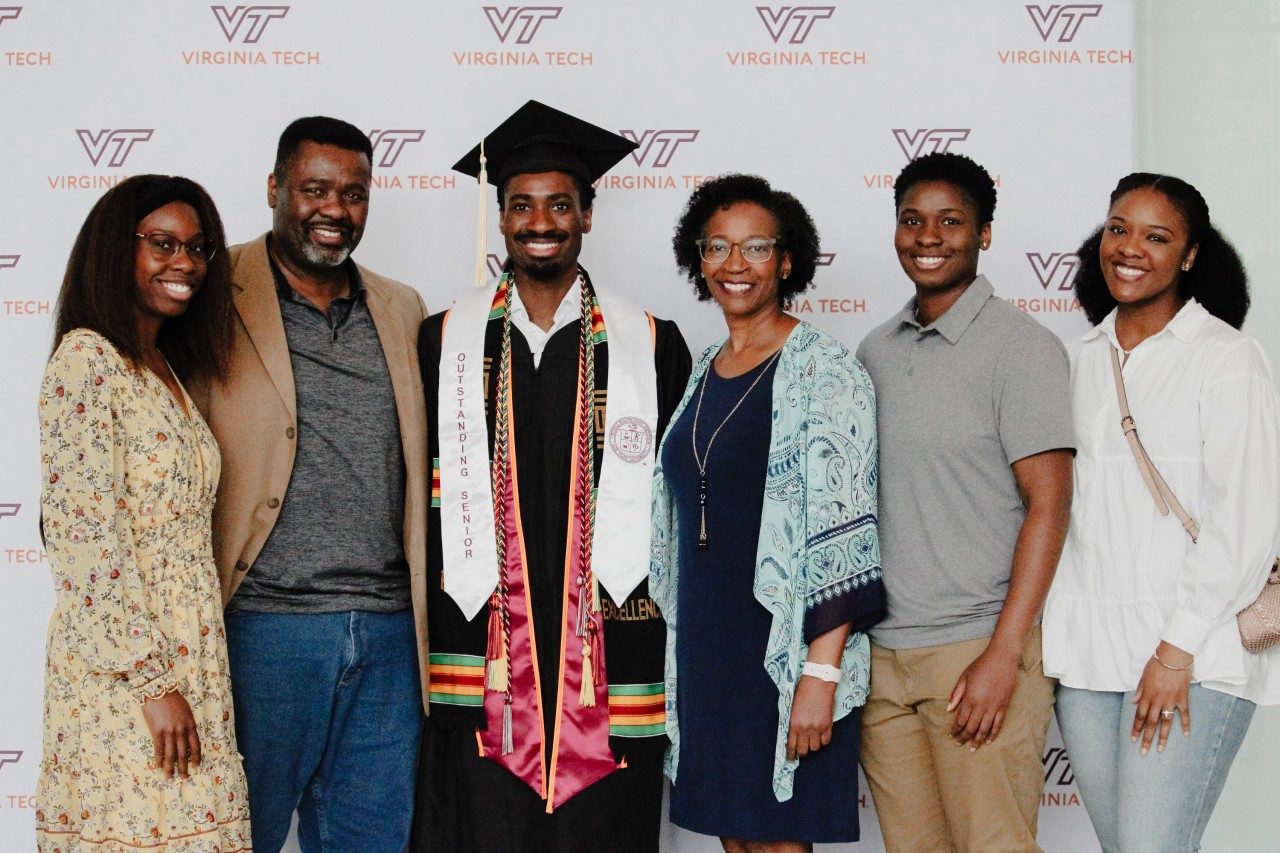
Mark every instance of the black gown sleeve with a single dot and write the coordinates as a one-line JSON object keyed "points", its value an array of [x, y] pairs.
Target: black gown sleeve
{"points": [[673, 364]]}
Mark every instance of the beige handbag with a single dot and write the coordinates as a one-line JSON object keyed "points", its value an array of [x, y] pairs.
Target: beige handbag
{"points": [[1259, 623]]}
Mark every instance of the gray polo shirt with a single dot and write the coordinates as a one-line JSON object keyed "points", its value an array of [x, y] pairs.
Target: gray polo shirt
{"points": [[957, 403], [338, 542]]}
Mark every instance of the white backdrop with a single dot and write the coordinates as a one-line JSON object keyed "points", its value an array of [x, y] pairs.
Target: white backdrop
{"points": [[827, 101]]}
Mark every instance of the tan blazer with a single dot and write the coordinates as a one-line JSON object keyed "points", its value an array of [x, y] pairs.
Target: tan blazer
{"points": [[254, 416]]}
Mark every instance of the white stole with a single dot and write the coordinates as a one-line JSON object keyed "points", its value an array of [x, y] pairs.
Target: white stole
{"points": [[620, 546]]}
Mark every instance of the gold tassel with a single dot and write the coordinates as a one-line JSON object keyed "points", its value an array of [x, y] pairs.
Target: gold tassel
{"points": [[482, 223], [499, 676]]}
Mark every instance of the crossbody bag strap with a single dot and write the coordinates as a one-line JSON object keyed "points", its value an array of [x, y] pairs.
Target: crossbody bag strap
{"points": [[1164, 497]]}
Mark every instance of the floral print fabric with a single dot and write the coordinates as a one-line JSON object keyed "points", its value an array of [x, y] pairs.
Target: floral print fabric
{"points": [[128, 484]]}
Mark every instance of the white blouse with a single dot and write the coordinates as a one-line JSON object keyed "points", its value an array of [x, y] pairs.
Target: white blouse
{"points": [[1204, 398]]}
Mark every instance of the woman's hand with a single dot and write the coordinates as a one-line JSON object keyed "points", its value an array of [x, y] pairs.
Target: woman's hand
{"points": [[812, 711], [982, 694], [173, 730], [1161, 689]]}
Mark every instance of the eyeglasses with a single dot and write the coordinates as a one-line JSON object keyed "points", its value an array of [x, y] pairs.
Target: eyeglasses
{"points": [[757, 250], [165, 247]]}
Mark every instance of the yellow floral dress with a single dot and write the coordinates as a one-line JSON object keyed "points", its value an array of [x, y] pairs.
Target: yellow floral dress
{"points": [[127, 494]]}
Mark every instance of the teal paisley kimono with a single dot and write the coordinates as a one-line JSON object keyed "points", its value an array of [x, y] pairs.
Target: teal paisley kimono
{"points": [[818, 537]]}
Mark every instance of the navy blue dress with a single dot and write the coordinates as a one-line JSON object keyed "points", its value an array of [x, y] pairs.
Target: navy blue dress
{"points": [[727, 704]]}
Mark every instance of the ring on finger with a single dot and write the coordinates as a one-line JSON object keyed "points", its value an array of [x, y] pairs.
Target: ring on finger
{"points": [[1166, 714]]}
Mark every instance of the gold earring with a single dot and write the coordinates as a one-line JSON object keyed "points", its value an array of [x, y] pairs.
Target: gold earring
{"points": [[1186, 267]]}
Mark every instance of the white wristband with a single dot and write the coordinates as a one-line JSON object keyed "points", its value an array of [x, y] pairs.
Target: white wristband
{"points": [[821, 671]]}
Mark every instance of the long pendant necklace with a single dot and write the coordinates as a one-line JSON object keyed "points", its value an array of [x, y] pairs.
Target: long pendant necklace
{"points": [[702, 462]]}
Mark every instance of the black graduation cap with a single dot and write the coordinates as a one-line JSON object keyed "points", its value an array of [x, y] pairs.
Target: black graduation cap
{"points": [[539, 138]]}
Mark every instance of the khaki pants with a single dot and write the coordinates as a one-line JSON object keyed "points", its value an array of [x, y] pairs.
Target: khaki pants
{"points": [[932, 794]]}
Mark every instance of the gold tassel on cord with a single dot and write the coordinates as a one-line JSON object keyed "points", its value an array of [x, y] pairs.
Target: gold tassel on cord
{"points": [[499, 674], [482, 223]]}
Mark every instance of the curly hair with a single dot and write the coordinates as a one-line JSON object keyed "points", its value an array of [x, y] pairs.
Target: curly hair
{"points": [[100, 289], [956, 169], [796, 232], [1217, 279]]}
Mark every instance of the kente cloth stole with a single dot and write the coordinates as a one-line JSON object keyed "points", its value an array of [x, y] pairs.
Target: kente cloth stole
{"points": [[605, 546]]}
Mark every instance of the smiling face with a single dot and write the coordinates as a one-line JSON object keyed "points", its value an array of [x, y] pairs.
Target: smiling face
{"points": [[1143, 250], [938, 236], [743, 289], [321, 204], [543, 222], [166, 286]]}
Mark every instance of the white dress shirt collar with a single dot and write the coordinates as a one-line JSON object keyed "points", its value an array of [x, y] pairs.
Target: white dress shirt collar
{"points": [[570, 309]]}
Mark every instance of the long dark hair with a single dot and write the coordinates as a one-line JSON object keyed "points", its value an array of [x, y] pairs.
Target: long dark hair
{"points": [[99, 289], [1216, 280]]}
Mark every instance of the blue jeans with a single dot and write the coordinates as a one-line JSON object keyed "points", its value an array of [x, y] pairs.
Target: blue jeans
{"points": [[1160, 801], [328, 718]]}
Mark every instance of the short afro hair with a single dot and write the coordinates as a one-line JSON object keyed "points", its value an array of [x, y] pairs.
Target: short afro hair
{"points": [[586, 192], [321, 130], [1217, 279], [955, 169], [796, 232]]}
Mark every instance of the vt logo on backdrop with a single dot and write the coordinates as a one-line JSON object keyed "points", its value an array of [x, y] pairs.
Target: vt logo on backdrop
{"points": [[1056, 268], [657, 147], [118, 142], [522, 21], [247, 22], [1059, 25], [1062, 21], [795, 22], [243, 29], [388, 148], [928, 140], [518, 26], [792, 26], [388, 145]]}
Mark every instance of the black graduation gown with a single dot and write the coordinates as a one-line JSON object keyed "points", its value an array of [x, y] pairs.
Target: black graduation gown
{"points": [[467, 802]]}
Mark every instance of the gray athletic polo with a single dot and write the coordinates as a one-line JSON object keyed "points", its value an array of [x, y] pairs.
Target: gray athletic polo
{"points": [[958, 402]]}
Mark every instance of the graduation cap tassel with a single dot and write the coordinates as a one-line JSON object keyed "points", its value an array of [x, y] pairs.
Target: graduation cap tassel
{"points": [[482, 223]]}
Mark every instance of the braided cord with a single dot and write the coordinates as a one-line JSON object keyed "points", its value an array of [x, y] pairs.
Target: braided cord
{"points": [[585, 492], [498, 472]]}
